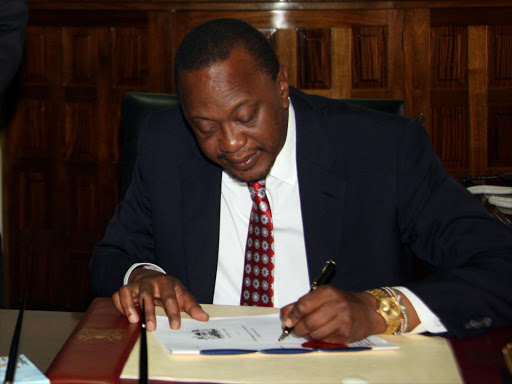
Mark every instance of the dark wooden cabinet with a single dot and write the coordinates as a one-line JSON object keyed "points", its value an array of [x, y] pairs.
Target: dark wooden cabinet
{"points": [[450, 63]]}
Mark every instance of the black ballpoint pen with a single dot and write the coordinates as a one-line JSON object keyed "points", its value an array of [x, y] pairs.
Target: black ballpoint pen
{"points": [[325, 277]]}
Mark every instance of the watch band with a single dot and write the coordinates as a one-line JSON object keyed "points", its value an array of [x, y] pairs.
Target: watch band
{"points": [[404, 322], [389, 308]]}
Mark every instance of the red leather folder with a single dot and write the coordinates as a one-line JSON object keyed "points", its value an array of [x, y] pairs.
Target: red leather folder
{"points": [[97, 349]]}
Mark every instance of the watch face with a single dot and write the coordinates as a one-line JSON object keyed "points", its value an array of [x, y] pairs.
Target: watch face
{"points": [[390, 308]]}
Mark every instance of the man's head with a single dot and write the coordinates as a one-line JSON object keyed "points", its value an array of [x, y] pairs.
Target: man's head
{"points": [[234, 95]]}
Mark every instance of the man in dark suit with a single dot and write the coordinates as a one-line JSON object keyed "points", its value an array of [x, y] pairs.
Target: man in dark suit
{"points": [[362, 187]]}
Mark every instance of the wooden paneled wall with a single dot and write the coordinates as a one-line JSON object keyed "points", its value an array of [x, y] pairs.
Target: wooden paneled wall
{"points": [[340, 54], [63, 145], [459, 72], [453, 65]]}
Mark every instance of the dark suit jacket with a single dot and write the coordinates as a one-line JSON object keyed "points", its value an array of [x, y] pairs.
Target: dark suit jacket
{"points": [[373, 196], [13, 20]]}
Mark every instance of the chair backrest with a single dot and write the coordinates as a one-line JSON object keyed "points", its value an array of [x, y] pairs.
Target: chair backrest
{"points": [[136, 107], [393, 106]]}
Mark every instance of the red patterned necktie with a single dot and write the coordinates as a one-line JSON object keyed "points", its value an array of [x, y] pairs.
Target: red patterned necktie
{"points": [[258, 281]]}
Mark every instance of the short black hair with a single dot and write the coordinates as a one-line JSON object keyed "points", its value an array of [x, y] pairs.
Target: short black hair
{"points": [[214, 41]]}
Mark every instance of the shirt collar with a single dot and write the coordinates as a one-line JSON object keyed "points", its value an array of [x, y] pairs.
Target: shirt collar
{"points": [[285, 166]]}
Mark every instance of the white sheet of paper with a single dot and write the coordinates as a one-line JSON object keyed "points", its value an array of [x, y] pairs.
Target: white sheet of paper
{"points": [[374, 342], [246, 332]]}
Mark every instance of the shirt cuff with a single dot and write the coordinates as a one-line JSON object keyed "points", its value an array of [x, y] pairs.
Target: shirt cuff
{"points": [[150, 266], [429, 322]]}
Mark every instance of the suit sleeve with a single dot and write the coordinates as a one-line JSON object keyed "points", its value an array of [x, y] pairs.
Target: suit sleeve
{"points": [[469, 250], [13, 20], [129, 235]]}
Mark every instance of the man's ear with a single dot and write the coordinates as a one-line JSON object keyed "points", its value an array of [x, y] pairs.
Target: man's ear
{"points": [[282, 81]]}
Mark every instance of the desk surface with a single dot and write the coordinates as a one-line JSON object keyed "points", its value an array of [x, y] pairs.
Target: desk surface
{"points": [[479, 358], [42, 335]]}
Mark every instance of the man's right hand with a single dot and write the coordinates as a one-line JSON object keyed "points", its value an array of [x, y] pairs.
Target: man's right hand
{"points": [[155, 288]]}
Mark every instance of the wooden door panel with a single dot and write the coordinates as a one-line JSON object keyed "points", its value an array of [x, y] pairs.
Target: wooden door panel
{"points": [[350, 53], [458, 74], [63, 143]]}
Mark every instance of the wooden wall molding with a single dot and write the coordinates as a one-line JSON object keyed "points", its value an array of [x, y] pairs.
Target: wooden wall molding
{"points": [[256, 5]]}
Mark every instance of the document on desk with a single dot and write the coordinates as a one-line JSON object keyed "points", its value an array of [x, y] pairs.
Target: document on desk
{"points": [[239, 335]]}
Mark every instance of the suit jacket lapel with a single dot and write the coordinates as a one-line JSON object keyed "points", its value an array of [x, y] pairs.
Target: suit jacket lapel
{"points": [[321, 192], [201, 212]]}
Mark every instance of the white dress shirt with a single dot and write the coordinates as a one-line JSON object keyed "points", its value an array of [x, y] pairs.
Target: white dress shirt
{"points": [[291, 278]]}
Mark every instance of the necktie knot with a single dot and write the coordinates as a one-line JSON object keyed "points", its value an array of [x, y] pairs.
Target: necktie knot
{"points": [[257, 190]]}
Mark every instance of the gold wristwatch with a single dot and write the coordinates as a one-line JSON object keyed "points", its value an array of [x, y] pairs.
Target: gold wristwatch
{"points": [[389, 308]]}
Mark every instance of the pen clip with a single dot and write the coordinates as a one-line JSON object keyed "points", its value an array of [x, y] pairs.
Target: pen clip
{"points": [[326, 275]]}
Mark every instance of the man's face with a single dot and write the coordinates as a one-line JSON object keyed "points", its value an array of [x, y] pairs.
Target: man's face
{"points": [[238, 114]]}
